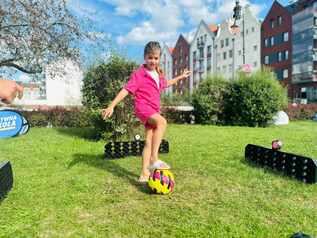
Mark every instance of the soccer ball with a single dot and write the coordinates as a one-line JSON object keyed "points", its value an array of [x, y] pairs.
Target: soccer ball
{"points": [[276, 144], [161, 181]]}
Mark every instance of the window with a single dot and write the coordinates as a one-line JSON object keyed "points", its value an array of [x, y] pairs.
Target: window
{"points": [[272, 41], [222, 43], [209, 49], [266, 42], [285, 73], [255, 64], [230, 54], [239, 52], [279, 74], [272, 23], [201, 53], [266, 59], [227, 41], [315, 21], [224, 55], [279, 56], [194, 55], [285, 36], [286, 55], [247, 31], [252, 29], [255, 47], [279, 20], [209, 63], [230, 68]]}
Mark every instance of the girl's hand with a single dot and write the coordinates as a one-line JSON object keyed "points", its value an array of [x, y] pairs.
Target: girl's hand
{"points": [[107, 112], [186, 73]]}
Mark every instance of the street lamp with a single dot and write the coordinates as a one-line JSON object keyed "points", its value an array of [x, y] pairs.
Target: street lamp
{"points": [[236, 15], [235, 27]]}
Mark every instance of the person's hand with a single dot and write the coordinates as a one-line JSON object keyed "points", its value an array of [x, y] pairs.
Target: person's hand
{"points": [[186, 73], [106, 113], [9, 89]]}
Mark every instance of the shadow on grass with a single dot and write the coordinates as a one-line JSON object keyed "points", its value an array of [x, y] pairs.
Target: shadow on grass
{"points": [[111, 166], [84, 133]]}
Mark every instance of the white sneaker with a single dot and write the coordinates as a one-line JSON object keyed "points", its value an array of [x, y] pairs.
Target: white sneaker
{"points": [[159, 164]]}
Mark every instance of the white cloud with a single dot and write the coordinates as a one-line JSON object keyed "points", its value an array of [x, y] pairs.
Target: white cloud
{"points": [[163, 20], [225, 8], [163, 24], [145, 32], [128, 8]]}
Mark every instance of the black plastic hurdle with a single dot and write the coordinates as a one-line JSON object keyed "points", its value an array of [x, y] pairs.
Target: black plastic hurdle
{"points": [[116, 150], [6, 178], [296, 166]]}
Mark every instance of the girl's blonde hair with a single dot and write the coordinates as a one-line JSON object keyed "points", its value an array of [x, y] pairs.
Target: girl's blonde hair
{"points": [[150, 48]]}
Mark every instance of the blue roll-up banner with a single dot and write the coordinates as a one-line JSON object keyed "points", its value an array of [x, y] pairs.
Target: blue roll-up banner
{"points": [[12, 123]]}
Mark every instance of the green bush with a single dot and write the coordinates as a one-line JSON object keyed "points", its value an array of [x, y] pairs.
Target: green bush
{"points": [[207, 100], [101, 85], [174, 99], [254, 99], [57, 117]]}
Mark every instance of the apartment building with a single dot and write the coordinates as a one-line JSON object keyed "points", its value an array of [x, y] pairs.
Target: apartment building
{"points": [[167, 64], [235, 49], [201, 53], [276, 43]]}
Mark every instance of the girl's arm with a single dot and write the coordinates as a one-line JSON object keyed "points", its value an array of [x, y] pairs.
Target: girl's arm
{"points": [[184, 75], [109, 110]]}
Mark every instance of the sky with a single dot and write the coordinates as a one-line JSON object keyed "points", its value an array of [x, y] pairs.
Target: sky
{"points": [[129, 24]]}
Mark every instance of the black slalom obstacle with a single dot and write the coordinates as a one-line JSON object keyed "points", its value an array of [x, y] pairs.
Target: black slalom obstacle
{"points": [[116, 150], [6, 178], [292, 165]]}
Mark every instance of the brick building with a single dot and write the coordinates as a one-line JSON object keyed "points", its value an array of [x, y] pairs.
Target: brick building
{"points": [[180, 62], [276, 43]]}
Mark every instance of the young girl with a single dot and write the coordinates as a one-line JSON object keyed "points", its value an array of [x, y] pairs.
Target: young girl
{"points": [[145, 85]]}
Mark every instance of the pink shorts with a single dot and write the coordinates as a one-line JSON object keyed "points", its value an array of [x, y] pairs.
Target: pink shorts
{"points": [[144, 116]]}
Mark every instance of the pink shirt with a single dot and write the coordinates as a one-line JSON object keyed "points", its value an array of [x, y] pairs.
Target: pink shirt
{"points": [[145, 91]]}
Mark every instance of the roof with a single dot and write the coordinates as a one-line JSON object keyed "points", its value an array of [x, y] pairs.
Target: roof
{"points": [[213, 27]]}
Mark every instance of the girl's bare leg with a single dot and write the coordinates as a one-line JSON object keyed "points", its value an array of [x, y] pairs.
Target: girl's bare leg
{"points": [[146, 155], [160, 125]]}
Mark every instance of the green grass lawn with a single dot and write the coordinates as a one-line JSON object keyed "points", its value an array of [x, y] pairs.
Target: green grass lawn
{"points": [[64, 188]]}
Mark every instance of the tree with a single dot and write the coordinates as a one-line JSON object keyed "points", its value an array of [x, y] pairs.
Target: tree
{"points": [[101, 84], [34, 33]]}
